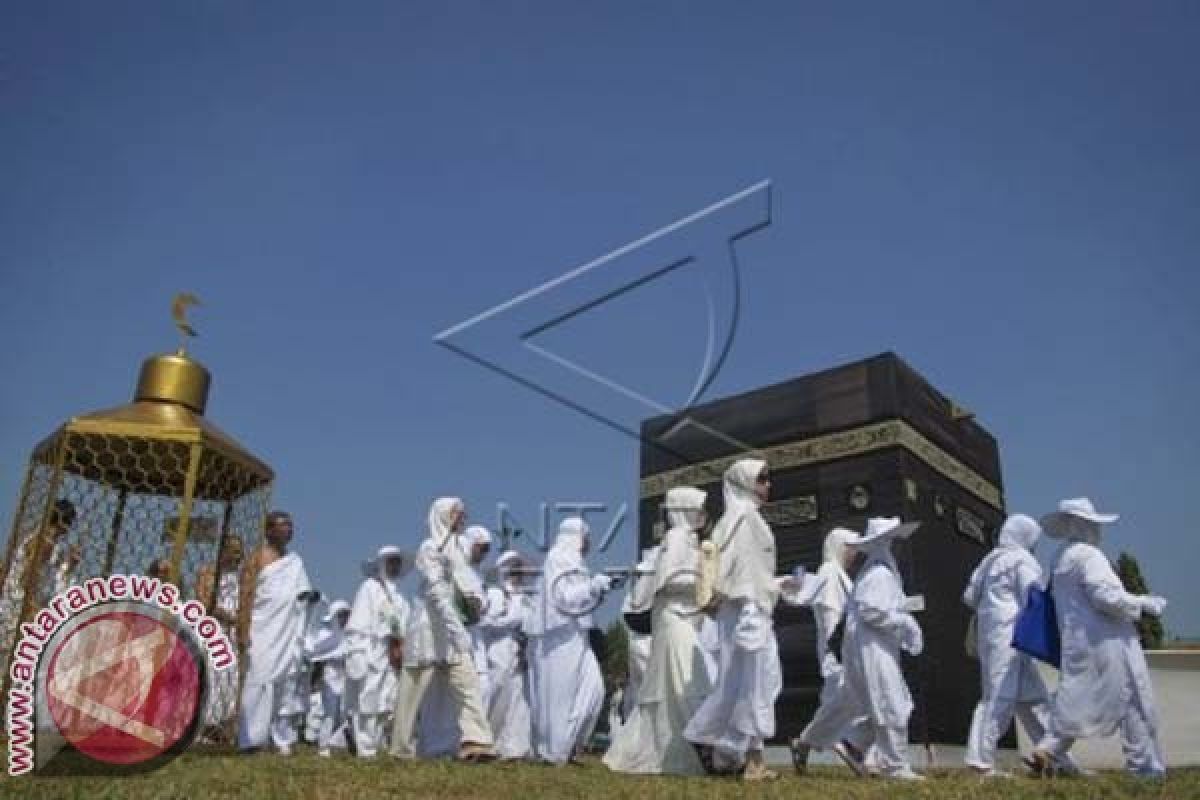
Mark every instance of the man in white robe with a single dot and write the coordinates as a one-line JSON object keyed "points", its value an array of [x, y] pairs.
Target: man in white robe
{"points": [[738, 716], [878, 627], [438, 640], [1104, 685], [275, 675], [1010, 683], [378, 622], [568, 683], [677, 677], [508, 702], [839, 723], [328, 650]]}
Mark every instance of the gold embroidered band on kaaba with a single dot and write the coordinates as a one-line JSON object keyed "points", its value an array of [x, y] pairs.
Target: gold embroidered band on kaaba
{"points": [[831, 446]]}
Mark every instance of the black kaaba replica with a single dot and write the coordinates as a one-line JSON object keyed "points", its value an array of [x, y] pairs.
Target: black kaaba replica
{"points": [[867, 439]]}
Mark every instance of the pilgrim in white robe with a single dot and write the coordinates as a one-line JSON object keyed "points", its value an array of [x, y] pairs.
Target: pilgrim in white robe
{"points": [[677, 678], [273, 691], [878, 627], [380, 612], [438, 642], [568, 682], [739, 715], [1010, 683], [223, 695], [1104, 685], [438, 735], [639, 597], [508, 704], [313, 717], [838, 717], [328, 650]]}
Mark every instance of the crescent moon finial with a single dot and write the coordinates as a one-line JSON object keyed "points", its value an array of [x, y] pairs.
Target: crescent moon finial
{"points": [[179, 308]]}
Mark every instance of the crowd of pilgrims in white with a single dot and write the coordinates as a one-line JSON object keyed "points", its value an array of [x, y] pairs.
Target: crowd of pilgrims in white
{"points": [[456, 667]]}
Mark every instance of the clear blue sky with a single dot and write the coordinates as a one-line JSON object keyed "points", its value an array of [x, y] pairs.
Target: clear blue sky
{"points": [[1007, 195]]}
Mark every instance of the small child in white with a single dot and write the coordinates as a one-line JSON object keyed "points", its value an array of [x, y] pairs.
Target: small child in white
{"points": [[327, 650]]}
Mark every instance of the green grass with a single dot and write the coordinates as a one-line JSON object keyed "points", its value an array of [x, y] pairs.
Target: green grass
{"points": [[199, 776]]}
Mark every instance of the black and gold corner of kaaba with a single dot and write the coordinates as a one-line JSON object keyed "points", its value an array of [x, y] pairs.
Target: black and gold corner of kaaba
{"points": [[871, 438]]}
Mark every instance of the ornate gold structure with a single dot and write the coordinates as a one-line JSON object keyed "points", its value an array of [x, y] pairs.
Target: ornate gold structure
{"points": [[118, 491]]}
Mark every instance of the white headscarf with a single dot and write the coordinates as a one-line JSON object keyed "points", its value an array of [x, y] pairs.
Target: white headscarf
{"points": [[506, 563], [440, 514], [837, 542], [373, 567], [1019, 531], [685, 507], [740, 497], [473, 535], [568, 544], [336, 607]]}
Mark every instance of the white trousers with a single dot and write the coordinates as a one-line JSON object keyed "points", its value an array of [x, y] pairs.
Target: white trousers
{"points": [[1143, 751], [332, 719], [463, 683], [891, 749], [838, 717], [263, 716], [992, 718], [367, 730]]}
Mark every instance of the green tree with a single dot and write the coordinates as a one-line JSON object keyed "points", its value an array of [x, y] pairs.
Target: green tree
{"points": [[1150, 629]]}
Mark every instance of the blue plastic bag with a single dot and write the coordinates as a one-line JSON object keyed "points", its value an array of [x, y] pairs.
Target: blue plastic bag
{"points": [[1036, 632]]}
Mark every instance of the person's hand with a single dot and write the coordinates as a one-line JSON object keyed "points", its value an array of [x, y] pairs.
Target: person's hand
{"points": [[601, 583], [830, 666], [912, 641], [1153, 605]]}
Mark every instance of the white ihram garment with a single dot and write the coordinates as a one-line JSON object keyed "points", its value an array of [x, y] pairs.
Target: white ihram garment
{"points": [[567, 681], [271, 690], [508, 704], [677, 676], [877, 628], [739, 714], [839, 716], [1104, 685], [1010, 683], [438, 640]]}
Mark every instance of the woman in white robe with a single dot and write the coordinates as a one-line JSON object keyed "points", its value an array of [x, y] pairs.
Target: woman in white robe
{"points": [[378, 617], [437, 725], [638, 598], [878, 627], [677, 678], [508, 703], [328, 650], [438, 643], [1010, 683], [1104, 685], [838, 724], [569, 686], [738, 716]]}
